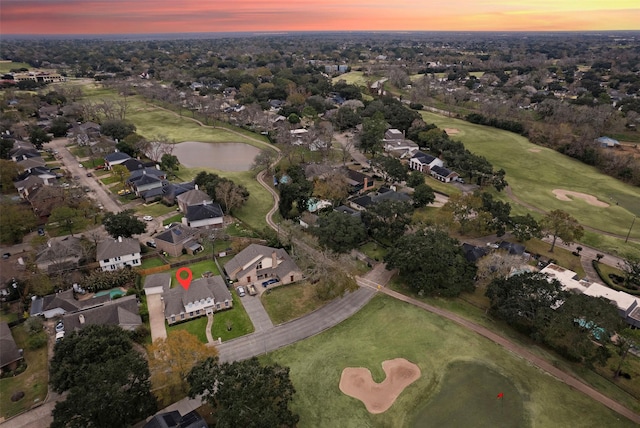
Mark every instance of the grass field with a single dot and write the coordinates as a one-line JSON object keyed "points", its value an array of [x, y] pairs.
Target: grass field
{"points": [[236, 317], [196, 327], [534, 171], [197, 269], [386, 329], [353, 78], [33, 381], [7, 66], [291, 301]]}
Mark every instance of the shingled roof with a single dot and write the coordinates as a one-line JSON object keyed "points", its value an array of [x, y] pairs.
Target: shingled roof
{"points": [[9, 352], [122, 312], [111, 248]]}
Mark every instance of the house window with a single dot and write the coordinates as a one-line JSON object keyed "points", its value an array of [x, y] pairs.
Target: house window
{"points": [[259, 265], [226, 303], [217, 305], [248, 279], [198, 312], [182, 316], [291, 278], [173, 318], [191, 313], [106, 260], [118, 258], [113, 267]]}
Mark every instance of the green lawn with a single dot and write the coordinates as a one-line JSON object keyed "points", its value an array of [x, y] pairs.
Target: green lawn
{"points": [[112, 179], [387, 329], [197, 269], [7, 66], [174, 219], [374, 250], [196, 327], [534, 171], [292, 301], [236, 318], [33, 381], [154, 209], [563, 257], [353, 78], [151, 262]]}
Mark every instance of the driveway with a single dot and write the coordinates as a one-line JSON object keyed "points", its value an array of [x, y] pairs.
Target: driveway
{"points": [[156, 317], [257, 313], [98, 191]]}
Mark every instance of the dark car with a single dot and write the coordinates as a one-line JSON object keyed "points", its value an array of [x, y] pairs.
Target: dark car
{"points": [[6, 255], [151, 244], [89, 174], [40, 231], [269, 282]]}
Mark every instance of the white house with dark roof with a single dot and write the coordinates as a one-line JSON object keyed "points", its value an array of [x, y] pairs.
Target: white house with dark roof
{"points": [[257, 264], [114, 254], [205, 215], [423, 162], [115, 158], [204, 296], [443, 174]]}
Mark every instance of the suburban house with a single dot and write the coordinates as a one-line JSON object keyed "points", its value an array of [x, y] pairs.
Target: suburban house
{"points": [[44, 199], [395, 143], [29, 163], [53, 305], [157, 283], [204, 296], [113, 254], [174, 419], [628, 306], [171, 191], [443, 174], [60, 253], [21, 153], [473, 253], [423, 162], [206, 215], [358, 182], [143, 180], [177, 239], [361, 203], [192, 197], [10, 355], [115, 158], [122, 312], [133, 164], [28, 185], [259, 263]]}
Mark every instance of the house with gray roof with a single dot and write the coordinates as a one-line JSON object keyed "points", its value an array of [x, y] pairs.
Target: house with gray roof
{"points": [[193, 197], [177, 239], [172, 190], [204, 296], [53, 305], [143, 180], [122, 312], [10, 355], [60, 253], [115, 158], [206, 215], [28, 185], [258, 264], [443, 174], [157, 283], [114, 254]]}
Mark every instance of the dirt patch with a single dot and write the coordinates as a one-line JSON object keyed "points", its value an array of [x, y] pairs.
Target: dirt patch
{"points": [[535, 150], [451, 131], [357, 382], [567, 195]]}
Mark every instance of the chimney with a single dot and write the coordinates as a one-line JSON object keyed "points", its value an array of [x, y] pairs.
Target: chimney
{"points": [[81, 319], [119, 238], [274, 260]]}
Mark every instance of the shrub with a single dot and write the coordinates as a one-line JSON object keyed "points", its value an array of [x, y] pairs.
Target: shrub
{"points": [[37, 341]]}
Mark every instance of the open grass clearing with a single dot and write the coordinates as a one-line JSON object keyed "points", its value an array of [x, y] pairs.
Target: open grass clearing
{"points": [[173, 219], [112, 179], [154, 209], [152, 262], [197, 327], [236, 318], [611, 245], [197, 269], [563, 257], [374, 250], [387, 329], [291, 301], [33, 381], [354, 78], [533, 175], [7, 66]]}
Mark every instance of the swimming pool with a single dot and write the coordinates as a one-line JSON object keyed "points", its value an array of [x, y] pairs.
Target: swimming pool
{"points": [[114, 292]]}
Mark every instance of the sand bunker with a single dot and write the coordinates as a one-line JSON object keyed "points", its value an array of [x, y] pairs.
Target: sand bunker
{"points": [[451, 131], [357, 382], [566, 195], [535, 150]]}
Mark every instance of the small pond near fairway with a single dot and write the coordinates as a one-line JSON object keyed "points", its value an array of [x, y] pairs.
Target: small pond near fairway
{"points": [[222, 156]]}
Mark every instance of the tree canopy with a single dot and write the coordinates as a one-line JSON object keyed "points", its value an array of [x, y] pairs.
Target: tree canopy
{"points": [[107, 380], [387, 220], [340, 232], [124, 224], [432, 263], [245, 393], [117, 129], [560, 224]]}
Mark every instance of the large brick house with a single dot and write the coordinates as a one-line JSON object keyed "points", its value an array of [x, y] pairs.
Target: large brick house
{"points": [[258, 264]]}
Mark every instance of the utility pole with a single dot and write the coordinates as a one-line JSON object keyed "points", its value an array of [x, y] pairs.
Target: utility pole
{"points": [[630, 227]]}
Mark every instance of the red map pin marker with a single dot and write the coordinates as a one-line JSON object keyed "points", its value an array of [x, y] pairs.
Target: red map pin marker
{"points": [[185, 282]]}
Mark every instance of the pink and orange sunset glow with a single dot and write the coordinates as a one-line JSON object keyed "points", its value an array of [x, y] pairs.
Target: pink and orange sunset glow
{"points": [[186, 16]]}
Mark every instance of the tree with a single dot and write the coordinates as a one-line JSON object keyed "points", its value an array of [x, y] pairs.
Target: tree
{"points": [[627, 338], [387, 220], [499, 212], [15, 222], [631, 269], [9, 171], [263, 160], [117, 129], [59, 127], [340, 232], [525, 227], [38, 137], [107, 380], [415, 178], [432, 263], [169, 163], [121, 172], [245, 393], [68, 218], [466, 210], [560, 224], [423, 195], [393, 168], [524, 301], [5, 147], [372, 133], [333, 186], [171, 360], [123, 224], [231, 195]]}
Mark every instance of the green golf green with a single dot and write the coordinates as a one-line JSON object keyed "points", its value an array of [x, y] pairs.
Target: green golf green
{"points": [[473, 394]]}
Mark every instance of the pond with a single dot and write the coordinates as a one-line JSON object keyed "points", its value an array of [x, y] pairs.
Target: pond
{"points": [[222, 156]]}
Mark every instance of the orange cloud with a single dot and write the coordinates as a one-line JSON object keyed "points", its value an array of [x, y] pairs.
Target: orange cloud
{"points": [[164, 16]]}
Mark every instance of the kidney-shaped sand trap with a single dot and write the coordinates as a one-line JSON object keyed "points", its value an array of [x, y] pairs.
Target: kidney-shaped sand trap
{"points": [[566, 195], [357, 382]]}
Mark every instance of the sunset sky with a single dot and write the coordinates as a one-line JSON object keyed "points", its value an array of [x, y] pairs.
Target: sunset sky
{"points": [[182, 16]]}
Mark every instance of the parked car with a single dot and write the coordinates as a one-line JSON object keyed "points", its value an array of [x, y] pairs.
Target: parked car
{"points": [[6, 255], [147, 218], [241, 292], [269, 282], [151, 244], [99, 167], [59, 327], [89, 174], [252, 290], [80, 165], [40, 231], [59, 336]]}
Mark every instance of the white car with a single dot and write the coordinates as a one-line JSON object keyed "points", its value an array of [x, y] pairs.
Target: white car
{"points": [[147, 218], [240, 291]]}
